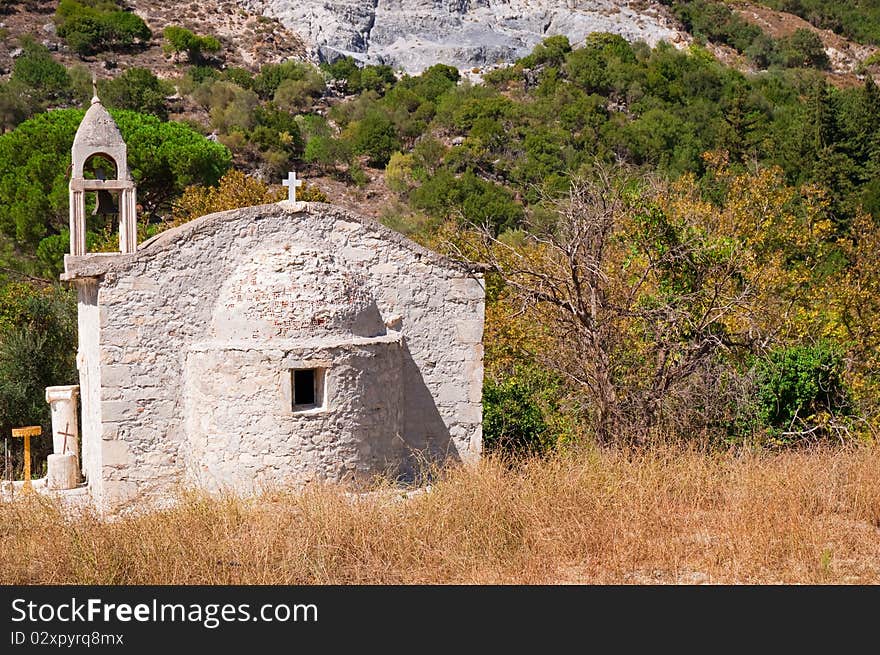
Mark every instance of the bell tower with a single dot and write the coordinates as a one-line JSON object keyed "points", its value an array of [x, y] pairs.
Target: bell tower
{"points": [[98, 136]]}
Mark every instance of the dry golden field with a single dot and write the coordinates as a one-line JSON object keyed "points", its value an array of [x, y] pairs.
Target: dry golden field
{"points": [[663, 515]]}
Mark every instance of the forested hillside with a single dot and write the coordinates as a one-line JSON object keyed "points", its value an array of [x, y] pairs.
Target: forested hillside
{"points": [[858, 20], [680, 246]]}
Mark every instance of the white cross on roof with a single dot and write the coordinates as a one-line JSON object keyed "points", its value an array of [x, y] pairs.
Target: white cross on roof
{"points": [[292, 183]]}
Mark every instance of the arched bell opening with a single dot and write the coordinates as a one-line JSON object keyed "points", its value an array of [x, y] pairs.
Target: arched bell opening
{"points": [[103, 197], [102, 205], [100, 166]]}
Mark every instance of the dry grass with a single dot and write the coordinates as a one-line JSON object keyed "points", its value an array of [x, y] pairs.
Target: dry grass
{"points": [[665, 515]]}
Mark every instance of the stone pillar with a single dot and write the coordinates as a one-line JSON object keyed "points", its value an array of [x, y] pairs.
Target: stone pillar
{"points": [[65, 432], [77, 222], [63, 465], [128, 221], [63, 471]]}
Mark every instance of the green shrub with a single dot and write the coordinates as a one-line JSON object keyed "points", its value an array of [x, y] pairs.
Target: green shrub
{"points": [[229, 106], [371, 78], [241, 76], [468, 198], [519, 410], [799, 389], [36, 69], [181, 40], [94, 26], [277, 136], [431, 84], [137, 89], [271, 76], [376, 137], [358, 79], [551, 51], [326, 152], [37, 350], [804, 49], [298, 95], [341, 69]]}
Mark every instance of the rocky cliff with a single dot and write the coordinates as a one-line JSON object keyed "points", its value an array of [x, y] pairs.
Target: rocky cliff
{"points": [[414, 34]]}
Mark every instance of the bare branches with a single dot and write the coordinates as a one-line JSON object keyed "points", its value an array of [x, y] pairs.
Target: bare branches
{"points": [[637, 303]]}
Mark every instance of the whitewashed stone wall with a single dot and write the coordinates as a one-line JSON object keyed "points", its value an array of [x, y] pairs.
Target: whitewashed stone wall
{"points": [[177, 389]]}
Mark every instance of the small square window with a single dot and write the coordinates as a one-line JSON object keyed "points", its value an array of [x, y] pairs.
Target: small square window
{"points": [[307, 385]]}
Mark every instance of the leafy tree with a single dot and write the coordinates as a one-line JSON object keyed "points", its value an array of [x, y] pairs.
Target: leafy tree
{"points": [[804, 49], [36, 69], [230, 107], [277, 135], [374, 136], [37, 337], [589, 66], [271, 76], [636, 300], [296, 95], [357, 79], [234, 190], [96, 25], [326, 152], [341, 68], [139, 90], [164, 158], [552, 51], [181, 40], [371, 78], [472, 200], [432, 83], [763, 51]]}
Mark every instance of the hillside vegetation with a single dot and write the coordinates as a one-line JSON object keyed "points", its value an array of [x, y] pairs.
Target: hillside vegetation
{"points": [[678, 247], [858, 20]]}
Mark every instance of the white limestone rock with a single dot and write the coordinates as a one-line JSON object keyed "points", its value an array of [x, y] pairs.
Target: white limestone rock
{"points": [[415, 34]]}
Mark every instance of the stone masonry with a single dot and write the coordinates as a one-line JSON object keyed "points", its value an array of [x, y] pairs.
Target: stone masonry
{"points": [[188, 349]]}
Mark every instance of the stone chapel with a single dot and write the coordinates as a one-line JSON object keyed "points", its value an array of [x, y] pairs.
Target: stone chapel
{"points": [[266, 346]]}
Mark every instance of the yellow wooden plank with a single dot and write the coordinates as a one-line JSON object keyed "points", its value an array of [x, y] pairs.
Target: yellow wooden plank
{"points": [[30, 431]]}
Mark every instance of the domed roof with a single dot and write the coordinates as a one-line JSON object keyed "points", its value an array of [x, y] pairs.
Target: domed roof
{"points": [[287, 293], [98, 129]]}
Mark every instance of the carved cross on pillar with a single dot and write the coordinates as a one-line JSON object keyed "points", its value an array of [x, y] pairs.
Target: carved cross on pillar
{"points": [[292, 183]]}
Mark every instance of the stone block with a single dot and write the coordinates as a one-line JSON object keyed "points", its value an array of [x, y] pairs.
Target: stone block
{"points": [[117, 410], [63, 471], [469, 331], [116, 376], [118, 492], [110, 430], [466, 289], [115, 453], [469, 412]]}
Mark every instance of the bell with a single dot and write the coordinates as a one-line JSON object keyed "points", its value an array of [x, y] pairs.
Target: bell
{"points": [[105, 204]]}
